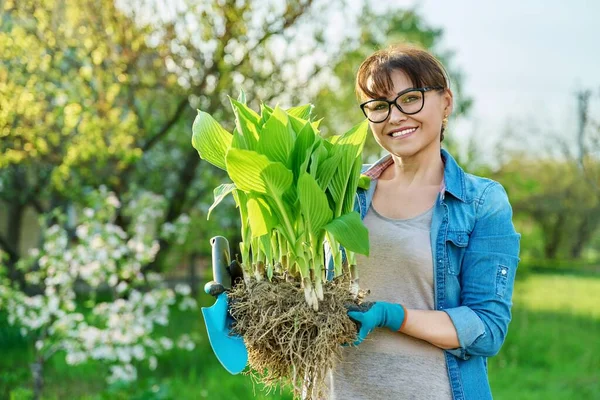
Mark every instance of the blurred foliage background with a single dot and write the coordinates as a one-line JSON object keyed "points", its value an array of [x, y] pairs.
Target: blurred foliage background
{"points": [[102, 92]]}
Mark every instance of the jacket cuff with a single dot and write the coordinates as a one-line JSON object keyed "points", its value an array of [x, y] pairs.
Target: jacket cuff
{"points": [[469, 328]]}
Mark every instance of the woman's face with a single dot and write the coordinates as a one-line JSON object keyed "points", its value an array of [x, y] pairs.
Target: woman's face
{"points": [[418, 131]]}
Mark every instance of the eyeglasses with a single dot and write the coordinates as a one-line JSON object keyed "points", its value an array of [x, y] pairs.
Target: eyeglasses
{"points": [[409, 101]]}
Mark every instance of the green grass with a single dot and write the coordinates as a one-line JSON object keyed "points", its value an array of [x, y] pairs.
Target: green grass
{"points": [[563, 294], [552, 352]]}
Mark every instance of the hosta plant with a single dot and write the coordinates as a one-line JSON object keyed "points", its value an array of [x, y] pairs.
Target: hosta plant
{"points": [[295, 193]]}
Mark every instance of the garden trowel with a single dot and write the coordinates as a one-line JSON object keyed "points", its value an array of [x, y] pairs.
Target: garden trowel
{"points": [[228, 347]]}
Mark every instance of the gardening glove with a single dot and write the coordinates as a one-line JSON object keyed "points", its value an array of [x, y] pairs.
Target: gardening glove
{"points": [[379, 314]]}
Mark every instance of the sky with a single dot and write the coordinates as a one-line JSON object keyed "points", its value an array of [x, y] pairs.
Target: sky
{"points": [[522, 60]]}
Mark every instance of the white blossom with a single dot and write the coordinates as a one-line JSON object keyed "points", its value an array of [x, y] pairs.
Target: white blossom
{"points": [[113, 201], [122, 330], [125, 373], [186, 343], [152, 363], [121, 287], [34, 253], [166, 343], [183, 289], [75, 358], [188, 303]]}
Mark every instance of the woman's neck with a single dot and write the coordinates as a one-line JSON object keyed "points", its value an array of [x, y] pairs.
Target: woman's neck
{"points": [[422, 169]]}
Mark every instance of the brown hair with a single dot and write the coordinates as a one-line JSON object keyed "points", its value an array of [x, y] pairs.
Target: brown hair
{"points": [[373, 79]]}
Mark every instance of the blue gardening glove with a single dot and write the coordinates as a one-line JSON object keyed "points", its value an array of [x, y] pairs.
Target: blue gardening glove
{"points": [[379, 314]]}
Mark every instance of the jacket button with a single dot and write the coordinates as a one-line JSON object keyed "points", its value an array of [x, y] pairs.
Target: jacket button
{"points": [[504, 272]]}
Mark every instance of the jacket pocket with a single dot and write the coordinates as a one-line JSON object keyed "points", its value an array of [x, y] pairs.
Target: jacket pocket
{"points": [[502, 280], [456, 244]]}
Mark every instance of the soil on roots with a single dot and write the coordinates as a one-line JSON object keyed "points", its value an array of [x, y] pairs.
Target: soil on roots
{"points": [[288, 342]]}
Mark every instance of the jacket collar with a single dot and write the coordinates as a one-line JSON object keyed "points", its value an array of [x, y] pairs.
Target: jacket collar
{"points": [[454, 176]]}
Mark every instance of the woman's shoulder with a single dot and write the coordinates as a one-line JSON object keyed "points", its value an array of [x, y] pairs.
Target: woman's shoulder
{"points": [[480, 188], [489, 199]]}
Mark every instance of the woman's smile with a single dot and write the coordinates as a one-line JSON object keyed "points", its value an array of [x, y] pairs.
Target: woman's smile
{"points": [[401, 133]]}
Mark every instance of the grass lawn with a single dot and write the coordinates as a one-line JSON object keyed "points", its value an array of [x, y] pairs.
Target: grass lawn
{"points": [[552, 352]]}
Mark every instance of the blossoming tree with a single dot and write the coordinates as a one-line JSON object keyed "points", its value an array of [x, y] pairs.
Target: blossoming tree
{"points": [[62, 311]]}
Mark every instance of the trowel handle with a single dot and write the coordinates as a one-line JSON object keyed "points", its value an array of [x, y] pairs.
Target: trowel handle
{"points": [[220, 261]]}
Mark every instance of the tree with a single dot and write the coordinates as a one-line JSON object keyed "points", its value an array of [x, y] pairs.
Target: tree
{"points": [[74, 78], [551, 193], [588, 140], [92, 92]]}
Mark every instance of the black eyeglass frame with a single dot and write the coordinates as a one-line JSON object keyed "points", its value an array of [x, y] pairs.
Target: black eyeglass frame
{"points": [[394, 102]]}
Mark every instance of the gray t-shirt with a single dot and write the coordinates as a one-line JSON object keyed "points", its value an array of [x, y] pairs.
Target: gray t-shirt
{"points": [[392, 365]]}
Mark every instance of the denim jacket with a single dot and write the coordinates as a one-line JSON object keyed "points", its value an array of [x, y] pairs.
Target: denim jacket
{"points": [[475, 251]]}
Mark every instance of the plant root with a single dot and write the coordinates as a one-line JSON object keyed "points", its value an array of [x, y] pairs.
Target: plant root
{"points": [[288, 342]]}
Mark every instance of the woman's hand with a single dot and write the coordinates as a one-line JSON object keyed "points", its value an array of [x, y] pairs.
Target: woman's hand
{"points": [[379, 314]]}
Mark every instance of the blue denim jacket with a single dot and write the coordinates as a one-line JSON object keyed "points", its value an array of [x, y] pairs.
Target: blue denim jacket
{"points": [[475, 251]]}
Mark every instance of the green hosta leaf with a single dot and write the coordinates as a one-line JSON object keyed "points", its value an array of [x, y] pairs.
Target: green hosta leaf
{"points": [[238, 141], [265, 113], [314, 203], [277, 139], [247, 122], [220, 193], [327, 169], [241, 201], [242, 97], [210, 139], [364, 182], [291, 197], [350, 232], [352, 184], [318, 156], [260, 216], [302, 149], [355, 137], [302, 112], [253, 172], [328, 146], [317, 123], [334, 139], [349, 145], [298, 123]]}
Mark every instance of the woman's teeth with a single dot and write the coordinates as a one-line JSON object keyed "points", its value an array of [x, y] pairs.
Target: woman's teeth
{"points": [[403, 132]]}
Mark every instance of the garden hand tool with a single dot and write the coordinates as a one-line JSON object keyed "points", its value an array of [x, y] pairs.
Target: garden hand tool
{"points": [[228, 347]]}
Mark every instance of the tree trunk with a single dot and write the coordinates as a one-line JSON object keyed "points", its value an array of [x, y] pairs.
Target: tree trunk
{"points": [[15, 225], [37, 370], [193, 275], [585, 231], [554, 234]]}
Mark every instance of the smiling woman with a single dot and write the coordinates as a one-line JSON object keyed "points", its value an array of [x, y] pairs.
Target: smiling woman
{"points": [[443, 253]]}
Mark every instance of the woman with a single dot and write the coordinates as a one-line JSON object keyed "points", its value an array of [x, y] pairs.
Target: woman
{"points": [[444, 251]]}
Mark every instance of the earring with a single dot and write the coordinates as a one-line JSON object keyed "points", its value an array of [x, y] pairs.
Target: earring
{"points": [[444, 123]]}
